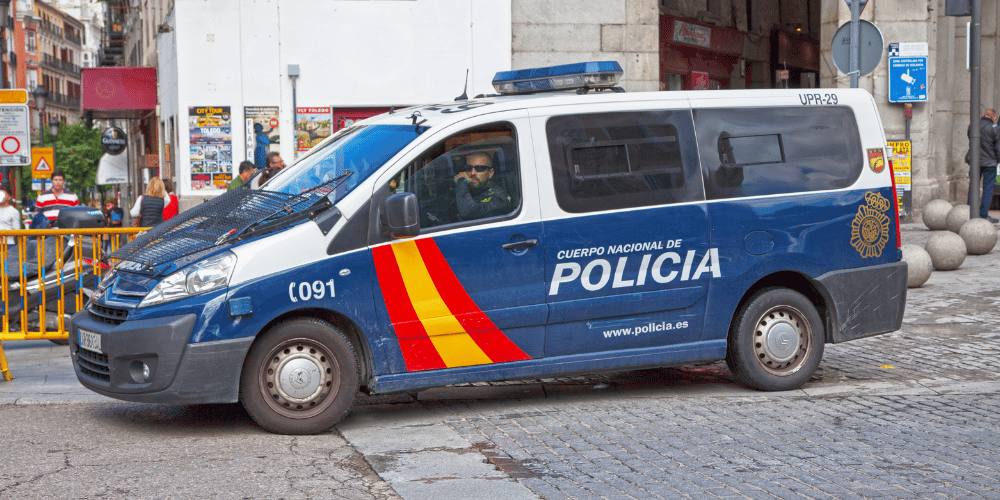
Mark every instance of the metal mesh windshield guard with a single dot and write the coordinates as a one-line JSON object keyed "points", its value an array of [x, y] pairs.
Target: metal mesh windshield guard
{"points": [[214, 222]]}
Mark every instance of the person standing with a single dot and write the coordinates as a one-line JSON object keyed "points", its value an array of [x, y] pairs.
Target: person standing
{"points": [[172, 207], [274, 165], [149, 207], [10, 219], [989, 155], [49, 202], [246, 171]]}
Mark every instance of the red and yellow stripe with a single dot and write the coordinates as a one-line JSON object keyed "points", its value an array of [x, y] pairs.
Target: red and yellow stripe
{"points": [[436, 322]]}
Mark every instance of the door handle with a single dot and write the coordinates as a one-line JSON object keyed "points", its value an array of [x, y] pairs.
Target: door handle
{"points": [[520, 244]]}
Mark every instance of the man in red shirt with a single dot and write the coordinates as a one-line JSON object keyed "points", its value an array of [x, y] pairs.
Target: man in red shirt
{"points": [[49, 202]]}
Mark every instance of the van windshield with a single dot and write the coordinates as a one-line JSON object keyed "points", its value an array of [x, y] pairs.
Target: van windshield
{"points": [[358, 151]]}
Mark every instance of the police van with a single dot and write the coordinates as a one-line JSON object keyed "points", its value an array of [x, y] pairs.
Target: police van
{"points": [[559, 227]]}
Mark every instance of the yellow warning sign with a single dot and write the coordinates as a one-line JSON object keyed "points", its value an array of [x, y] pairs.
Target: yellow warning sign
{"points": [[42, 163]]}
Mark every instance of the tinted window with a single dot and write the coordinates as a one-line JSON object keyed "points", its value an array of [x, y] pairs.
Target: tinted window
{"points": [[622, 160], [484, 160], [759, 151]]}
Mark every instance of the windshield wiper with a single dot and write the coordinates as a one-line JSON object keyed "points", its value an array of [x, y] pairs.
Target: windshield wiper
{"points": [[290, 213]]}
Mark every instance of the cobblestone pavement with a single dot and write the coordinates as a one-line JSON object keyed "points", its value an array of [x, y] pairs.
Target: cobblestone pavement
{"points": [[912, 414]]}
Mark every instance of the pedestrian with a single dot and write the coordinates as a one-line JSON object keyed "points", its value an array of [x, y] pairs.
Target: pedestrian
{"points": [[50, 201], [989, 155], [173, 206], [246, 171], [274, 165], [10, 220], [113, 216], [148, 208]]}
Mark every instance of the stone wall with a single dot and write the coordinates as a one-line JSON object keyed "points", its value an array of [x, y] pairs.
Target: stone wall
{"points": [[939, 126], [567, 31]]}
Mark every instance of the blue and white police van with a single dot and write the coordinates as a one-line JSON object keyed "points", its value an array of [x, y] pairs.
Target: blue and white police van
{"points": [[559, 227]]}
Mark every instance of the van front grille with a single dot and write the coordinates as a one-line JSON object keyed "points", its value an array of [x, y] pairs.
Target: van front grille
{"points": [[109, 315], [94, 364]]}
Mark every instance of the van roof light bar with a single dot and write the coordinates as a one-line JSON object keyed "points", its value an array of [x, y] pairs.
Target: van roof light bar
{"points": [[578, 76]]}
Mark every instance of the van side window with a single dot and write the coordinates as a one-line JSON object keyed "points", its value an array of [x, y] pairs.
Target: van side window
{"points": [[469, 176], [760, 151], [611, 161]]}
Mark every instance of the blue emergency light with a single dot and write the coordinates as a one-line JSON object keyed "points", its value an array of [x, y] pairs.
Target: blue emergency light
{"points": [[586, 75]]}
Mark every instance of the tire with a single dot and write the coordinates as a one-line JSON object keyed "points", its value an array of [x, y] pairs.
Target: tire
{"points": [[325, 368], [776, 341]]}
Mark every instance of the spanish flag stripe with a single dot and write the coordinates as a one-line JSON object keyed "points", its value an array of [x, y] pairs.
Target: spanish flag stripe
{"points": [[430, 307], [459, 350], [450, 339], [418, 352], [404, 318], [491, 340], [498, 346], [452, 291]]}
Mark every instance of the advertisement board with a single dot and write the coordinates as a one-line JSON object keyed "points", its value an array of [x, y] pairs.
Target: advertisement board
{"points": [[211, 147]]}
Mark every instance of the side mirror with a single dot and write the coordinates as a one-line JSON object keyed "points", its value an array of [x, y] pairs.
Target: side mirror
{"points": [[402, 215]]}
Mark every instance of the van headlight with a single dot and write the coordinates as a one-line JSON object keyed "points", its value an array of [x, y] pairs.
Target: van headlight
{"points": [[210, 274]]}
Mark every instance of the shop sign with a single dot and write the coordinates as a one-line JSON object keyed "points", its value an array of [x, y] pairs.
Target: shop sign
{"points": [[113, 141], [692, 34]]}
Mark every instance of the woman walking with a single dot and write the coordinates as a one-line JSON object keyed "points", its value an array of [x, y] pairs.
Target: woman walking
{"points": [[149, 207]]}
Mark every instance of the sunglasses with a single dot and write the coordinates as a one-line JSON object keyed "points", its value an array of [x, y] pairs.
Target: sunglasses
{"points": [[477, 168]]}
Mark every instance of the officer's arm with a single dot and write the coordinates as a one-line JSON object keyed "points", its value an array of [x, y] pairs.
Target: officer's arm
{"points": [[468, 208]]}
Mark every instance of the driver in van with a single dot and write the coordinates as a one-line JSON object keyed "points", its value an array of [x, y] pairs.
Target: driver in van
{"points": [[476, 195]]}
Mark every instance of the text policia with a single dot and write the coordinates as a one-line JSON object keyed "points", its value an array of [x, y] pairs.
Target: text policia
{"points": [[596, 274]]}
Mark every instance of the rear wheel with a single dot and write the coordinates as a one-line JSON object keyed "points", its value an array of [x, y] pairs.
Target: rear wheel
{"points": [[301, 377], [776, 341]]}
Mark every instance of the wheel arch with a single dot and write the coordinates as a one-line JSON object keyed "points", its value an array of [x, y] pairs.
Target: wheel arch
{"points": [[793, 281], [343, 323]]}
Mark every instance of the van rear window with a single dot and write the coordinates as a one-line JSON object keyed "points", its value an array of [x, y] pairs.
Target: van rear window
{"points": [[610, 161], [761, 151]]}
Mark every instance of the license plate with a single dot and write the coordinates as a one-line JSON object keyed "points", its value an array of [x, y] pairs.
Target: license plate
{"points": [[90, 341]]}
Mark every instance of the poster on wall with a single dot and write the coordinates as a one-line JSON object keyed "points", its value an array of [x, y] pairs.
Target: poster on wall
{"points": [[211, 147], [262, 132], [900, 160], [345, 117], [311, 127]]}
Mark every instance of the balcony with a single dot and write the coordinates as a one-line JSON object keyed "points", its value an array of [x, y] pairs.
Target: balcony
{"points": [[63, 101], [60, 65]]}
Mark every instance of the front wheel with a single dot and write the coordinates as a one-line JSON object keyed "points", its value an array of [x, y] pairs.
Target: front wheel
{"points": [[776, 341], [301, 377]]}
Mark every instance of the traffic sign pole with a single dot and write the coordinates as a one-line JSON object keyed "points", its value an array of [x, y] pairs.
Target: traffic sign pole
{"points": [[855, 43], [975, 176]]}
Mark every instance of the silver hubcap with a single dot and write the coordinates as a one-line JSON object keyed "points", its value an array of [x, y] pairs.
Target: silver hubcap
{"points": [[781, 340], [299, 378]]}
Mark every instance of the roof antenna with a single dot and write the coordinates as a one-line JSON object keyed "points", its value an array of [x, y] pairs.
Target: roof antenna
{"points": [[465, 93]]}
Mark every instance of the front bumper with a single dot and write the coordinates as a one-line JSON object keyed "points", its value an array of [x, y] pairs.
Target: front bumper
{"points": [[179, 372], [865, 301]]}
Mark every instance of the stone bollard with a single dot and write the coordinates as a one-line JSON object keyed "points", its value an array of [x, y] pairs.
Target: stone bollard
{"points": [[958, 215], [947, 251], [936, 215], [980, 236], [918, 265]]}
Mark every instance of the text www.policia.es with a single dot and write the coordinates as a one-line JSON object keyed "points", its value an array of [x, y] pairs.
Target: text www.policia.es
{"points": [[652, 327]]}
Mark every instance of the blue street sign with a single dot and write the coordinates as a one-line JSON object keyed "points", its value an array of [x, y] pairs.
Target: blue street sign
{"points": [[908, 79]]}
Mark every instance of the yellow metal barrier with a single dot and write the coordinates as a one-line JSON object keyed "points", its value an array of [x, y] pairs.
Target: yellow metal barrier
{"points": [[30, 288]]}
